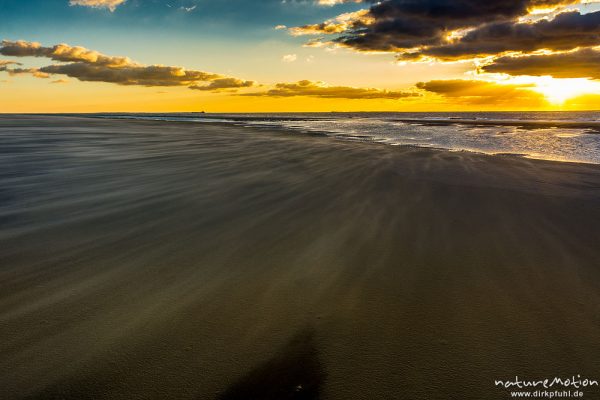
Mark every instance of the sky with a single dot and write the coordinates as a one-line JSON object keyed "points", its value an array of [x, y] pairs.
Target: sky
{"points": [[298, 55]]}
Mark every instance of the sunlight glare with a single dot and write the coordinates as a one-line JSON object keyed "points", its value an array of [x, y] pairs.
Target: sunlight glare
{"points": [[556, 90]]}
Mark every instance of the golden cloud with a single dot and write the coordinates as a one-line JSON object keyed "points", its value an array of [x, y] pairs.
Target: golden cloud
{"points": [[33, 71], [322, 90], [225, 83], [339, 24], [89, 65], [60, 52], [110, 4], [151, 75], [334, 2], [583, 63], [483, 92], [8, 62]]}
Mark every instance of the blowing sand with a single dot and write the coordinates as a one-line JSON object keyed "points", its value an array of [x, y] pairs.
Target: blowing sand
{"points": [[154, 260]]}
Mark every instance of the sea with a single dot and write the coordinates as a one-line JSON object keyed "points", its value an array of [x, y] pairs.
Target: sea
{"points": [[557, 136]]}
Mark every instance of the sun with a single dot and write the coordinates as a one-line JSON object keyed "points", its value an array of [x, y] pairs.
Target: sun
{"points": [[557, 91]]}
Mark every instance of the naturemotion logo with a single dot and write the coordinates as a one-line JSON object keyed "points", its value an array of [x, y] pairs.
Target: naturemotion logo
{"points": [[547, 388]]}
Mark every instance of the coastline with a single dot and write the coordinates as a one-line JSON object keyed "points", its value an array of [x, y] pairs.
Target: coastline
{"points": [[145, 259], [526, 135]]}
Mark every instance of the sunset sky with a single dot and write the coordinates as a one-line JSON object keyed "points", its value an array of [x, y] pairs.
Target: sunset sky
{"points": [[298, 55]]}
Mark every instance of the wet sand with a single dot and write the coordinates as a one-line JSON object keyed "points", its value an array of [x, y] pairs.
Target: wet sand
{"points": [[155, 260]]}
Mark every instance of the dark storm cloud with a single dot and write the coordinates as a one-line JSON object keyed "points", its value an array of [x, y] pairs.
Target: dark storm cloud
{"points": [[583, 63], [565, 32], [392, 25]]}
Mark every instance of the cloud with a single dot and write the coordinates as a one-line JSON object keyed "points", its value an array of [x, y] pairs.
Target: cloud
{"points": [[61, 52], [20, 48], [566, 31], [289, 58], [334, 2], [152, 75], [225, 83], [8, 62], [89, 65], [110, 4], [322, 90], [483, 92], [21, 71], [584, 63], [400, 25], [60, 81], [339, 24]]}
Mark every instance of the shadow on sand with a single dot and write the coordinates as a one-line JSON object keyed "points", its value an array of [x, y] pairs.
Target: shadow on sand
{"points": [[295, 373]]}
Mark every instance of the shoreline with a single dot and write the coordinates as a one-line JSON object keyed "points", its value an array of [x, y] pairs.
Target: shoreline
{"points": [[366, 140], [591, 128]]}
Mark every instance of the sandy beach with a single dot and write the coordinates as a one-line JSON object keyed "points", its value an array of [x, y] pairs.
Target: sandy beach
{"points": [[155, 260]]}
